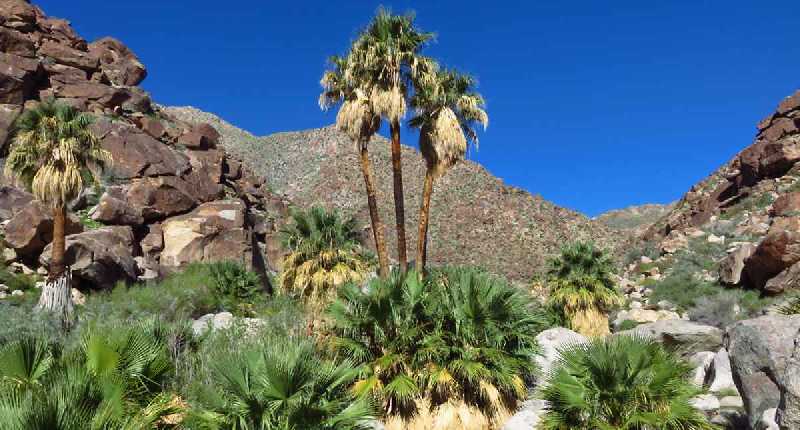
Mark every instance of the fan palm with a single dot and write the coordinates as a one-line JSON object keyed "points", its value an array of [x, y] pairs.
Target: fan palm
{"points": [[448, 109], [621, 383], [324, 254], [51, 150], [583, 288], [279, 384], [357, 119], [113, 381], [383, 61], [458, 354]]}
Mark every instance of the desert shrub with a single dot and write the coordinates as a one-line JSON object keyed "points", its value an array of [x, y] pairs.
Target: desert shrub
{"points": [[791, 307], [275, 382], [17, 281], [18, 321], [682, 289], [627, 325], [724, 307], [460, 340], [621, 383], [648, 249], [236, 288]]}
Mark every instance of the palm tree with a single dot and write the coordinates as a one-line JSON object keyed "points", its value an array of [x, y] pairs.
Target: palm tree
{"points": [[324, 254], [51, 151], [356, 119], [462, 349], [114, 380], [447, 111], [383, 60], [582, 287], [279, 384], [621, 383]]}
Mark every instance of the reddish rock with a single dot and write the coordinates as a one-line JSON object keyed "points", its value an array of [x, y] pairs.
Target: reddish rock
{"points": [[14, 42], [69, 56], [789, 103], [8, 113], [32, 228], [12, 200], [787, 205], [788, 279], [778, 157], [215, 231], [118, 63], [779, 250], [113, 208], [18, 77], [232, 169], [201, 136], [100, 257], [17, 14], [161, 197], [137, 101], [211, 162], [136, 154], [152, 126], [153, 241], [780, 128], [61, 30], [60, 74], [103, 95]]}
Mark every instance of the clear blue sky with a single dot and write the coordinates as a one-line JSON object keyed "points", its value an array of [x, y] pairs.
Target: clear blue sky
{"points": [[593, 104]]}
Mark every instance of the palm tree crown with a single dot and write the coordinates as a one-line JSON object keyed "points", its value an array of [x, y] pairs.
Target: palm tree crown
{"points": [[52, 147]]}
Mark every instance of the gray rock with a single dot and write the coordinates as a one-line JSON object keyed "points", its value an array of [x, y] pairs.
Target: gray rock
{"points": [[701, 361], [767, 421], [527, 417], [685, 336], [759, 350], [789, 384], [17, 293], [730, 268], [731, 402], [721, 375], [553, 340], [705, 402]]}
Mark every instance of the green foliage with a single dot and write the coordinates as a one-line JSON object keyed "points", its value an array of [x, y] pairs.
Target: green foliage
{"points": [[111, 380], [87, 221], [621, 383], [17, 281], [724, 307], [276, 383], [791, 307], [583, 288], [627, 325], [235, 287], [460, 335], [649, 249]]}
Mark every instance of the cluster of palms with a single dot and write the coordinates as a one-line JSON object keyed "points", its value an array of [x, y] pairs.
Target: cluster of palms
{"points": [[380, 76]]}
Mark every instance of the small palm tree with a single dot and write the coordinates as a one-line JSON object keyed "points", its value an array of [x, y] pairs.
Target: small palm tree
{"points": [[621, 383], [383, 61], [448, 109], [583, 288], [324, 254], [51, 150], [358, 120], [460, 350], [279, 384], [114, 380]]}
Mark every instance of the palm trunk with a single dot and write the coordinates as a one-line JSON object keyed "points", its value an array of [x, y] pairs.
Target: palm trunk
{"points": [[424, 211], [377, 226], [399, 202], [56, 297]]}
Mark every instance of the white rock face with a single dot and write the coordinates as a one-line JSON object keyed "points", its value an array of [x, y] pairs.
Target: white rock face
{"points": [[705, 402], [767, 421], [731, 402], [702, 363], [722, 374], [551, 341], [527, 417], [643, 316], [224, 320]]}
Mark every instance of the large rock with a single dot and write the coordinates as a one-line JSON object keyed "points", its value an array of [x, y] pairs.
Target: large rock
{"points": [[779, 250], [551, 342], [686, 337], [787, 205], [18, 77], [100, 257], [760, 350], [730, 268], [644, 316], [786, 280], [8, 114], [701, 362], [12, 200], [14, 42], [137, 154], [721, 374], [118, 63], [91, 92], [788, 415], [17, 14], [31, 229], [214, 231]]}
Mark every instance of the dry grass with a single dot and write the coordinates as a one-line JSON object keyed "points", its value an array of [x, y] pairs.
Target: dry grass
{"points": [[453, 415]]}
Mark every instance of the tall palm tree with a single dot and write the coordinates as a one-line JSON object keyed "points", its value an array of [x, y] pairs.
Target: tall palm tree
{"points": [[325, 254], [384, 59], [51, 150], [621, 383], [357, 119], [582, 287], [448, 109]]}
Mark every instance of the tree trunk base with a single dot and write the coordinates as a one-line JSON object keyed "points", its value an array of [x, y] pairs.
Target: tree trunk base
{"points": [[56, 298]]}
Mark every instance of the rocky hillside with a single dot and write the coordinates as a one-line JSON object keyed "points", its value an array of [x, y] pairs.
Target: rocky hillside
{"points": [[752, 203], [503, 228], [634, 219]]}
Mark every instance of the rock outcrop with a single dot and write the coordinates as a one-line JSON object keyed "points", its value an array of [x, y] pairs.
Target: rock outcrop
{"points": [[684, 336]]}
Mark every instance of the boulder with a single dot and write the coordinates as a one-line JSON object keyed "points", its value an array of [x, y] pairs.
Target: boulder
{"points": [[12, 200], [152, 126], [786, 280], [767, 421], [225, 320], [31, 229], [686, 337], [730, 268], [18, 77], [60, 75], [702, 362], [644, 316], [759, 350], [17, 14], [113, 208], [201, 136], [137, 154], [788, 416], [214, 231], [705, 402], [118, 63], [8, 114], [786, 205], [90, 92], [14, 42], [779, 250], [553, 340], [161, 197], [721, 376], [60, 30], [99, 258], [64, 54]]}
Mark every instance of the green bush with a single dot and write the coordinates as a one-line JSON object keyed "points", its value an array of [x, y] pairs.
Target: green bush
{"points": [[458, 336], [237, 288], [726, 306], [621, 383], [627, 325], [791, 307]]}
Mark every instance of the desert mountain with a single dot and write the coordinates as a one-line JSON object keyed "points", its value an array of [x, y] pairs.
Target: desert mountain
{"points": [[634, 219]]}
